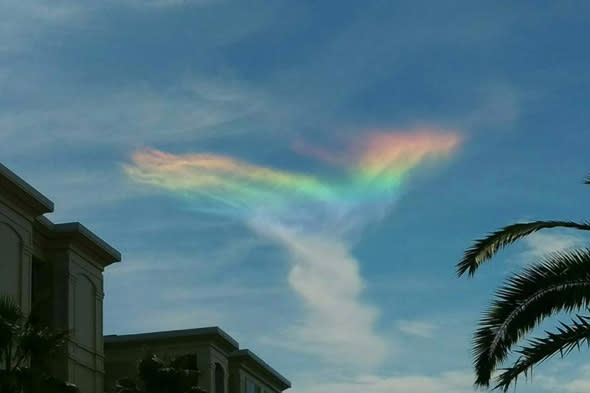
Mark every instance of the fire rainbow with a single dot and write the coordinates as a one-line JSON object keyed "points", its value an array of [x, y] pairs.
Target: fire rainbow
{"points": [[374, 168]]}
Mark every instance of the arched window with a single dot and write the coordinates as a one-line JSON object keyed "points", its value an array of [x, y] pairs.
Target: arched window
{"points": [[10, 268], [85, 311], [219, 378]]}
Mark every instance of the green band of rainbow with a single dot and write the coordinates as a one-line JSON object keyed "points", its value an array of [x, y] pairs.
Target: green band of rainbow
{"points": [[374, 168]]}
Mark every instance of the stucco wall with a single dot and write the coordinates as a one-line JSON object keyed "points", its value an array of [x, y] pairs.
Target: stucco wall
{"points": [[240, 373], [85, 297], [68, 280], [10, 245], [15, 255], [246, 375], [76, 305], [216, 356]]}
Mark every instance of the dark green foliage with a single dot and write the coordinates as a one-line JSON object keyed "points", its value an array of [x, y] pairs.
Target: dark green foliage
{"points": [[187, 362], [21, 338], [567, 338], [484, 249], [181, 375], [559, 282], [126, 385]]}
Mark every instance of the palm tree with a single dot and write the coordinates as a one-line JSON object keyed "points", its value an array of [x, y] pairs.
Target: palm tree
{"points": [[181, 375], [24, 342], [559, 282]]}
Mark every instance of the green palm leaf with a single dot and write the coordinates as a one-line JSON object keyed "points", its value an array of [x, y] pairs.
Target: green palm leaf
{"points": [[11, 319], [9, 310], [567, 338], [560, 283], [484, 249], [39, 342], [21, 339]]}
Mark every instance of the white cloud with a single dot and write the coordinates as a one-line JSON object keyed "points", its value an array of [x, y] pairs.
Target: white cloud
{"points": [[578, 385], [417, 328], [541, 244], [191, 110], [208, 298], [337, 326], [80, 192], [136, 264], [23, 21], [579, 382], [447, 382]]}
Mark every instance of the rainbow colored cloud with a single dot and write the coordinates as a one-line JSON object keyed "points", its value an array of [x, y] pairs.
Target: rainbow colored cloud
{"points": [[373, 168]]}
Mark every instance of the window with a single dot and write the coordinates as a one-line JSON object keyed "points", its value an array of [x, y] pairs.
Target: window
{"points": [[41, 288], [251, 387], [219, 379]]}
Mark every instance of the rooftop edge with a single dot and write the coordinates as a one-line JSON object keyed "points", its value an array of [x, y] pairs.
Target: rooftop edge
{"points": [[39, 202], [110, 254], [252, 356], [212, 330]]}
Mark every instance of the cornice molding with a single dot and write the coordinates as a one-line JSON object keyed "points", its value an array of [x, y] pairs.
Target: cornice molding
{"points": [[19, 190]]}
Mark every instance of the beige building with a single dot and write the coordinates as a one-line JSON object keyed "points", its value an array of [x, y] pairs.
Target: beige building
{"points": [[56, 270], [224, 368]]}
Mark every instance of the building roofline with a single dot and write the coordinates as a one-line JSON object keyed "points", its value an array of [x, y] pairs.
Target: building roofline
{"points": [[247, 354], [25, 192], [204, 331], [77, 231]]}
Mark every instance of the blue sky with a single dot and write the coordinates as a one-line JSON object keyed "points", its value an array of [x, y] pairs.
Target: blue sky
{"points": [[86, 85]]}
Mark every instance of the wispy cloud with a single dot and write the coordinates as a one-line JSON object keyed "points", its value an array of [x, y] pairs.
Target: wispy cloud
{"points": [[336, 325], [447, 382], [131, 117], [170, 3], [86, 83], [541, 244], [578, 382], [24, 21], [315, 219], [498, 106], [192, 291], [417, 328]]}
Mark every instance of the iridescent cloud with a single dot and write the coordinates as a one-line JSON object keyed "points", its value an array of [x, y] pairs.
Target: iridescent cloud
{"points": [[384, 158], [374, 167], [231, 182], [314, 217]]}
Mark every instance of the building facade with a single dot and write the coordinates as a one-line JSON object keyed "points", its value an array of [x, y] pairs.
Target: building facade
{"points": [[56, 271], [223, 366]]}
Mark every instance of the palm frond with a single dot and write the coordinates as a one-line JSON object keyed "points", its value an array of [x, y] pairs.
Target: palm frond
{"points": [[11, 319], [40, 342], [566, 339], [560, 283], [484, 249], [10, 310]]}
